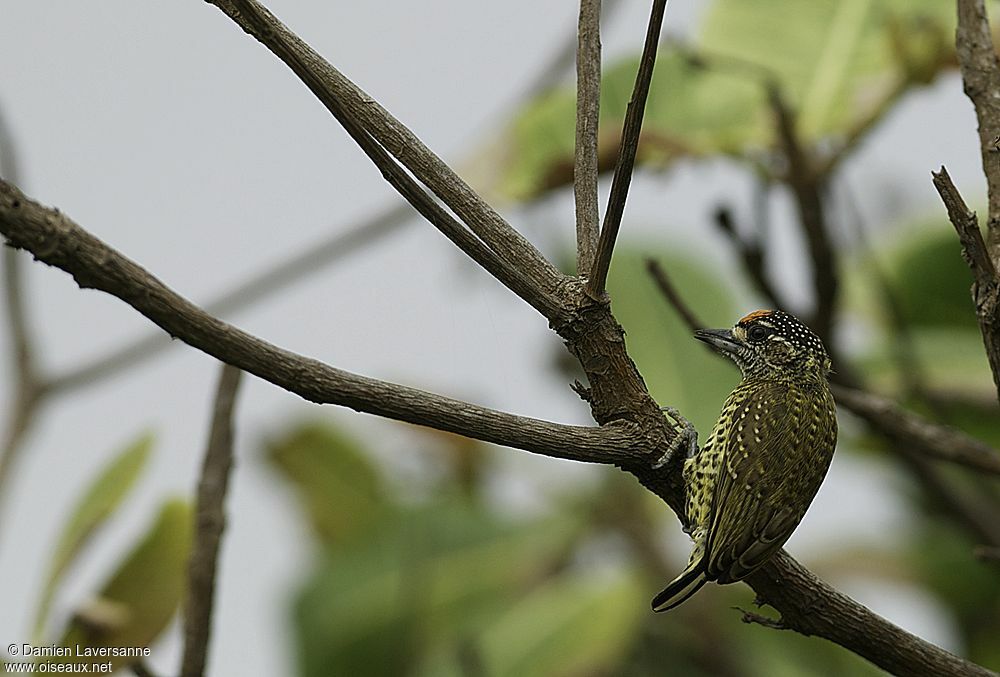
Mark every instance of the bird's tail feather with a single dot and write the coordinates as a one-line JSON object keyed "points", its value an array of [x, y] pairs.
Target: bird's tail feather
{"points": [[682, 587]]}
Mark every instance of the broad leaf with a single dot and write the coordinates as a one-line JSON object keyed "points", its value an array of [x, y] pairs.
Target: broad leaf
{"points": [[339, 487], [139, 600], [107, 491]]}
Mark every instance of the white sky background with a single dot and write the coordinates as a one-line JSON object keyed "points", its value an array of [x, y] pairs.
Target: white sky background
{"points": [[166, 131]]}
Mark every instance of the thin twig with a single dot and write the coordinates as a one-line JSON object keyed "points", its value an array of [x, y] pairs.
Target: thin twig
{"points": [[210, 521], [332, 88], [28, 383], [932, 440], [751, 255], [588, 105], [975, 515], [986, 286], [805, 184], [626, 154], [670, 293], [977, 59]]}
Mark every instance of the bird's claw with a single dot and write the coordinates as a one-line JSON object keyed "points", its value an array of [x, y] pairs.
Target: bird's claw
{"points": [[687, 434]]}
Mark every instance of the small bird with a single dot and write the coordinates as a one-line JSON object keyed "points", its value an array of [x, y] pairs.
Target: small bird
{"points": [[751, 483]]}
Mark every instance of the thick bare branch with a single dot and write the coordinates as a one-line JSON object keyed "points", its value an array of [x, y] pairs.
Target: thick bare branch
{"points": [[588, 105], [986, 285], [55, 239], [977, 59], [626, 153], [811, 607], [210, 521], [333, 89]]}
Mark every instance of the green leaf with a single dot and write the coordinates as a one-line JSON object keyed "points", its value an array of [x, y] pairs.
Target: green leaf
{"points": [[106, 492], [574, 625], [339, 488], [139, 600]]}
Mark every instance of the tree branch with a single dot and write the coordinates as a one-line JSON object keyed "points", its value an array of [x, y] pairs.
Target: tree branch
{"points": [[671, 294], [55, 239], [751, 255], [464, 239], [805, 184], [335, 91], [210, 521], [986, 284], [811, 607], [626, 153], [930, 439], [977, 59], [588, 108], [28, 383]]}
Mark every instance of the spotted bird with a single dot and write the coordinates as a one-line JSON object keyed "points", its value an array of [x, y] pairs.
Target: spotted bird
{"points": [[751, 483]]}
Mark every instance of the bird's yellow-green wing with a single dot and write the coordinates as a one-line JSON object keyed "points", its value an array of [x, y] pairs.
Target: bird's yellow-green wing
{"points": [[778, 449]]}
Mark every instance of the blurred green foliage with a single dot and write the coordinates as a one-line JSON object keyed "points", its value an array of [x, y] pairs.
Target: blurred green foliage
{"points": [[840, 63]]}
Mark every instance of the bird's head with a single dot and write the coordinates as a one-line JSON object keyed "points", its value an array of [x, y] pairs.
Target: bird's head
{"points": [[771, 344]]}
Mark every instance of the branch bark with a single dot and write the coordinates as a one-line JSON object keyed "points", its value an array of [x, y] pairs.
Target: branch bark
{"points": [[626, 153], [335, 91], [930, 439], [977, 59], [986, 284], [55, 239], [588, 106], [210, 521], [801, 176]]}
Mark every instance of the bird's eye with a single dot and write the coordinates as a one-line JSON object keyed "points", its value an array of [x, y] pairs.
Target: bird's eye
{"points": [[757, 333]]}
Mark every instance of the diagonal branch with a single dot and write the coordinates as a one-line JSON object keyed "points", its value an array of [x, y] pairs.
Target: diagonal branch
{"points": [[986, 285], [805, 184], [977, 59], [334, 90], [626, 153], [210, 521], [55, 239], [930, 439], [588, 105], [464, 239]]}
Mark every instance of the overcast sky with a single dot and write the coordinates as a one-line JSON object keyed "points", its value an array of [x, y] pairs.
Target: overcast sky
{"points": [[166, 131]]}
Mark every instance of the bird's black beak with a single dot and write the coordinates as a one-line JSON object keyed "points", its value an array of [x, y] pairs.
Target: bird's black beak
{"points": [[720, 339]]}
